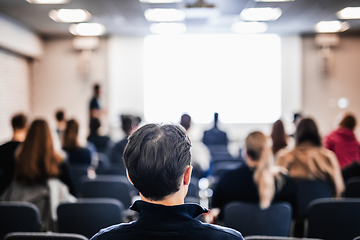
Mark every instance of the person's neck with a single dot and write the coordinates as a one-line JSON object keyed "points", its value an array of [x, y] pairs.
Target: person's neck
{"points": [[172, 200], [19, 135]]}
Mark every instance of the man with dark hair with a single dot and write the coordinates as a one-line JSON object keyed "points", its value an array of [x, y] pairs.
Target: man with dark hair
{"points": [[7, 150], [60, 122], [157, 159], [102, 143]]}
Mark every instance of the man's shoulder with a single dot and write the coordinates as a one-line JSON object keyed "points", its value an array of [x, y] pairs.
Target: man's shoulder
{"points": [[113, 232], [222, 232]]}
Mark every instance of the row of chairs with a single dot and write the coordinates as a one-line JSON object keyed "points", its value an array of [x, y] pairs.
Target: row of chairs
{"points": [[328, 219], [86, 216]]}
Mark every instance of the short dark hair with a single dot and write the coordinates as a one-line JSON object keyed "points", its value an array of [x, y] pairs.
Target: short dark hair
{"points": [[185, 121], [307, 131], [94, 124], [156, 158], [60, 115], [348, 122], [18, 121], [126, 123]]}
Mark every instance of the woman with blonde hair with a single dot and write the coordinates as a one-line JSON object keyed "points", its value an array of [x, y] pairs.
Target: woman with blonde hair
{"points": [[258, 180], [75, 153], [40, 174]]}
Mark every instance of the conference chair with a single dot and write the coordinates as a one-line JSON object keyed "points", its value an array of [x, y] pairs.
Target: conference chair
{"points": [[307, 191], [108, 186], [18, 217], [352, 189], [88, 216], [334, 219], [249, 219], [277, 238], [43, 236], [357, 238]]}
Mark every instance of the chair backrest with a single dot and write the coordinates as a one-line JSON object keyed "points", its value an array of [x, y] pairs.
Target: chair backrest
{"points": [[307, 191], [333, 219], [249, 219], [108, 186], [43, 236], [18, 217], [193, 188], [357, 238], [277, 238], [352, 189], [77, 171], [88, 216]]}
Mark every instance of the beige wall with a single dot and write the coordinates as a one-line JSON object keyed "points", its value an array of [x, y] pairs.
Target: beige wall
{"points": [[320, 92], [58, 83]]}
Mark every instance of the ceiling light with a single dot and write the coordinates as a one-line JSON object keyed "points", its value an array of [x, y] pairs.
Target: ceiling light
{"points": [[349, 13], [161, 1], [260, 14], [274, 0], [48, 1], [249, 27], [87, 29], [167, 28], [164, 15], [69, 15], [331, 26]]}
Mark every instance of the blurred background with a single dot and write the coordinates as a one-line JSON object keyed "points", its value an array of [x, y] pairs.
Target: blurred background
{"points": [[251, 61]]}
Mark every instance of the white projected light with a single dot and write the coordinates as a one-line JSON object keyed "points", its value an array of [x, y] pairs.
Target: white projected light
{"points": [[69, 15], [168, 28], [249, 27], [331, 26], [238, 76], [164, 15], [349, 13], [260, 14], [87, 29]]}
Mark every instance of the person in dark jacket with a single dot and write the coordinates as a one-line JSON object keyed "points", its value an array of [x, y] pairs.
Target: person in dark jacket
{"points": [[157, 159], [103, 144], [7, 150]]}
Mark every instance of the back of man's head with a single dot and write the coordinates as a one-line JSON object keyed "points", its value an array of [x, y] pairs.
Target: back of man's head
{"points": [[185, 121], [60, 115], [94, 125], [18, 121], [156, 158]]}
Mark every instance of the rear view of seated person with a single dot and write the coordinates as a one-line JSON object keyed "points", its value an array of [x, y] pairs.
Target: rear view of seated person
{"points": [[75, 153], [102, 143], [7, 150], [157, 159], [39, 175], [257, 181]]}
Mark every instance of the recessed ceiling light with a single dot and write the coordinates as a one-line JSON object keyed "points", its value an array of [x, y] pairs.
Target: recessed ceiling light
{"points": [[349, 13], [274, 0], [161, 1], [331, 26], [168, 28], [87, 29], [260, 14], [249, 27], [69, 15], [164, 15], [48, 1]]}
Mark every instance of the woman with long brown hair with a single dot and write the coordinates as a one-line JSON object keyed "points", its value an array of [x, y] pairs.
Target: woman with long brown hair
{"points": [[279, 137], [310, 160], [75, 153], [40, 174]]}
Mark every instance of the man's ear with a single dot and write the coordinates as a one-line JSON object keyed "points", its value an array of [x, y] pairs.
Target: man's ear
{"points": [[128, 177], [187, 175]]}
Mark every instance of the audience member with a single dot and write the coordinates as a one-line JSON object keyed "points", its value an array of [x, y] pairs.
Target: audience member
{"points": [[60, 123], [296, 119], [37, 173], [75, 153], [309, 160], [200, 154], [95, 107], [343, 142], [157, 159], [129, 125], [102, 143], [279, 137], [7, 150], [215, 138], [257, 181]]}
